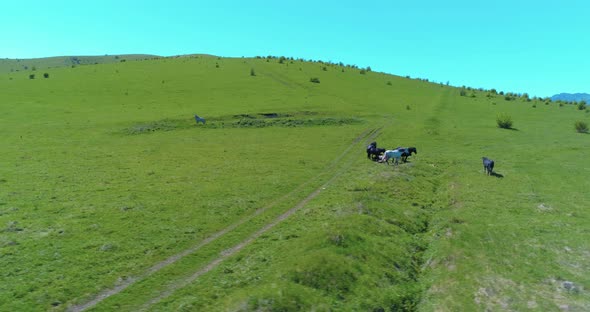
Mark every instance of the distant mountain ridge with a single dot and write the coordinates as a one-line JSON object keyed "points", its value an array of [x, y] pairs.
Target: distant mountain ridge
{"points": [[571, 97]]}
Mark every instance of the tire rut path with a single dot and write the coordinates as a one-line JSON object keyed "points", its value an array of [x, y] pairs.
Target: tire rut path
{"points": [[367, 134], [235, 249]]}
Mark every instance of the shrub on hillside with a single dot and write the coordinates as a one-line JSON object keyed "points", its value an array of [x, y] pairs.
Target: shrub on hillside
{"points": [[252, 73], [46, 75], [314, 80], [32, 76], [463, 92], [582, 105], [504, 121], [581, 127]]}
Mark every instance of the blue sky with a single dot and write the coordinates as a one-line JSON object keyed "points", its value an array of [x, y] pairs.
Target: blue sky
{"points": [[537, 47]]}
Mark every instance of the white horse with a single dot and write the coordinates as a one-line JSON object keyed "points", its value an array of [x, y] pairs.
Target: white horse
{"points": [[395, 154]]}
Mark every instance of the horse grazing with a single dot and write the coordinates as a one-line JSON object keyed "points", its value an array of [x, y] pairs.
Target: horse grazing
{"points": [[407, 152], [199, 119], [395, 154], [488, 165]]}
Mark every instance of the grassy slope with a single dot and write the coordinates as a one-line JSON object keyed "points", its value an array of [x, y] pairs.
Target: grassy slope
{"points": [[27, 65], [85, 204]]}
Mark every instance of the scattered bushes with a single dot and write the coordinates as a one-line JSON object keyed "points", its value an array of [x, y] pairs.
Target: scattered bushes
{"points": [[581, 127], [504, 121]]}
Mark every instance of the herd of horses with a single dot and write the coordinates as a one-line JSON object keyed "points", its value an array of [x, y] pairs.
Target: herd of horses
{"points": [[402, 153], [383, 155]]}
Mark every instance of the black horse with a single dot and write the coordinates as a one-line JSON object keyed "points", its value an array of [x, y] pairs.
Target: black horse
{"points": [[407, 152], [488, 166], [373, 153], [370, 147]]}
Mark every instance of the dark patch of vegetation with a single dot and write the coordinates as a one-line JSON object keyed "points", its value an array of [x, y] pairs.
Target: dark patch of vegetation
{"points": [[46, 75], [260, 120], [314, 80], [582, 105], [581, 127], [161, 125], [504, 121], [32, 76], [289, 122], [252, 73]]}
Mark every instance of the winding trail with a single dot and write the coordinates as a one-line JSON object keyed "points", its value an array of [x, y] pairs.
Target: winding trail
{"points": [[369, 134]]}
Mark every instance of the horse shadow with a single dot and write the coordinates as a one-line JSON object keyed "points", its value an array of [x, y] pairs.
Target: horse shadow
{"points": [[497, 175]]}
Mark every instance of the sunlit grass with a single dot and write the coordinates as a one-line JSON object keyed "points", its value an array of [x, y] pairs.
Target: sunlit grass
{"points": [[105, 173]]}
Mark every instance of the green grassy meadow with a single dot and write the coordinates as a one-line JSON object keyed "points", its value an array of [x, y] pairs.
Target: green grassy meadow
{"points": [[104, 176]]}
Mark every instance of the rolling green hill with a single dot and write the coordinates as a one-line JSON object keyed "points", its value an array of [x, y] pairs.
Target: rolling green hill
{"points": [[112, 198], [32, 65]]}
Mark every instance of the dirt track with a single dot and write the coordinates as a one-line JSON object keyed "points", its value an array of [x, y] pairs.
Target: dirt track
{"points": [[367, 135]]}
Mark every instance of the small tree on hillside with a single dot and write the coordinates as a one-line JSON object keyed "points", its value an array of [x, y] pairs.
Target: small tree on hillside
{"points": [[32, 76], [581, 127], [46, 75], [582, 105], [252, 73], [504, 121]]}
